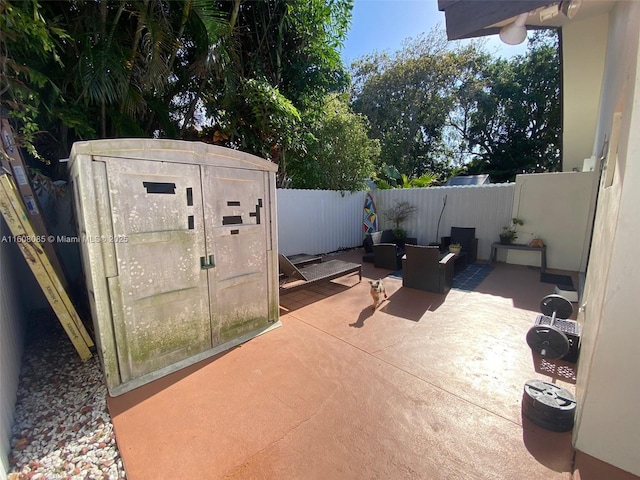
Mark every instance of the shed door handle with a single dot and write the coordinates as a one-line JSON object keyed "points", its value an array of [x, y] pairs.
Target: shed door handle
{"points": [[204, 265]]}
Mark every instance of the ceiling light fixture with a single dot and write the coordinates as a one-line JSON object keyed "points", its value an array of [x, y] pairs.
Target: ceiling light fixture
{"points": [[570, 8], [515, 33]]}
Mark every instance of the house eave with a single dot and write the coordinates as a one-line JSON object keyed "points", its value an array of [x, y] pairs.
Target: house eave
{"points": [[477, 18]]}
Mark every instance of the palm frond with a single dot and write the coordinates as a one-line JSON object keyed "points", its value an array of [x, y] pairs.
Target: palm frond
{"points": [[102, 75]]}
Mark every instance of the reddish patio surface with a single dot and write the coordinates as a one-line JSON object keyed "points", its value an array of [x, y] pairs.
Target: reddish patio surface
{"points": [[427, 387]]}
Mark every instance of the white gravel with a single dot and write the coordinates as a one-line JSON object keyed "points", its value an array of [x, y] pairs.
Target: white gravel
{"points": [[62, 428]]}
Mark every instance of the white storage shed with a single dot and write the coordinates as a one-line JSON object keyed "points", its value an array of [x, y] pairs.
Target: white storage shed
{"points": [[179, 251]]}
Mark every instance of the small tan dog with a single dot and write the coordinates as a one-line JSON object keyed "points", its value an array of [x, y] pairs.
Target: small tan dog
{"points": [[377, 291]]}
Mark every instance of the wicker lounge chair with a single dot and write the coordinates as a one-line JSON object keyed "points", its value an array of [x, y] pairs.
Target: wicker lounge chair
{"points": [[294, 278]]}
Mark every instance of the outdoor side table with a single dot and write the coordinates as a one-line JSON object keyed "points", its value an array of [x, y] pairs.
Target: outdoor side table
{"points": [[519, 246]]}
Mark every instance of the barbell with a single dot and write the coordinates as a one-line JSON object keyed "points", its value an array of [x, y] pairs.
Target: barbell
{"points": [[549, 340]]}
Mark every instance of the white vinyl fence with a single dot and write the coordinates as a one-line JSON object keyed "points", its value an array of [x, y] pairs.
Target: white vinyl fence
{"points": [[318, 221], [321, 221]]}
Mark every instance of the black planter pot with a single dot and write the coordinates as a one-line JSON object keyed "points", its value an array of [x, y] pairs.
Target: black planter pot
{"points": [[367, 243], [505, 240]]}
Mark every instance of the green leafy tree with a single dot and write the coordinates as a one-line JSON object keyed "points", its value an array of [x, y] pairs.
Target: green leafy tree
{"points": [[26, 35], [515, 126], [470, 85], [407, 97], [237, 73], [338, 153], [286, 55], [273, 126], [114, 68], [440, 109], [389, 177]]}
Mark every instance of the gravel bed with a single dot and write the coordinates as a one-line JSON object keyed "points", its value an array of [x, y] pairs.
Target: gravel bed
{"points": [[62, 428]]}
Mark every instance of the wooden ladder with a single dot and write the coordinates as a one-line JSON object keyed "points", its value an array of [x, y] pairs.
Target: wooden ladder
{"points": [[31, 244]]}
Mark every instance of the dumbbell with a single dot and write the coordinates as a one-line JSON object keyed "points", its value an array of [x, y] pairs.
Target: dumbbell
{"points": [[548, 340]]}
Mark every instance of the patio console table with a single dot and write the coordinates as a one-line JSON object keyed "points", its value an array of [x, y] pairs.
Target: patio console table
{"points": [[520, 246]]}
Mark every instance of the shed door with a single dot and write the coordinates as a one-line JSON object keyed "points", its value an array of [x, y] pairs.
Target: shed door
{"points": [[160, 297], [237, 232]]}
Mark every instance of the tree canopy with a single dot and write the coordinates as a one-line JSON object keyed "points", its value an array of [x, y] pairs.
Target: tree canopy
{"points": [[339, 155], [438, 109], [236, 73], [406, 98], [266, 77], [515, 120]]}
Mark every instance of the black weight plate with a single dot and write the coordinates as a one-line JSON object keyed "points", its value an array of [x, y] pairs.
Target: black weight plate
{"points": [[556, 303], [548, 397], [554, 426], [543, 411], [548, 341], [538, 415]]}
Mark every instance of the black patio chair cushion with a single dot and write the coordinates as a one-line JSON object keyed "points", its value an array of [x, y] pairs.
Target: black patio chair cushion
{"points": [[387, 237]]}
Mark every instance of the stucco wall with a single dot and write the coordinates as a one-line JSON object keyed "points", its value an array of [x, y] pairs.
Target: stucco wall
{"points": [[608, 384], [12, 333], [584, 46], [555, 208]]}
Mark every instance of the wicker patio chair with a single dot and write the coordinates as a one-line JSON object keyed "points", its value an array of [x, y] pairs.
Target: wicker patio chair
{"points": [[424, 269]]}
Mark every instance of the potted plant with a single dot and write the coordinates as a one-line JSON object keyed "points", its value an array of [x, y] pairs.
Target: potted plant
{"points": [[455, 248], [509, 233], [400, 212], [399, 233]]}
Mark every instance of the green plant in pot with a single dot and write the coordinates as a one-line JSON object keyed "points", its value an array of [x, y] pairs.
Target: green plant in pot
{"points": [[400, 212], [399, 233], [455, 248], [510, 232]]}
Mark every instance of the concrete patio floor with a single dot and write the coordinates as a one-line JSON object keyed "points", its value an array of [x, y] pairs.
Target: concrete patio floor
{"points": [[427, 387]]}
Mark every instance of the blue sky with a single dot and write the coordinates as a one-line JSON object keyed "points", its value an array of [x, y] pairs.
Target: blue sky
{"points": [[382, 25]]}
